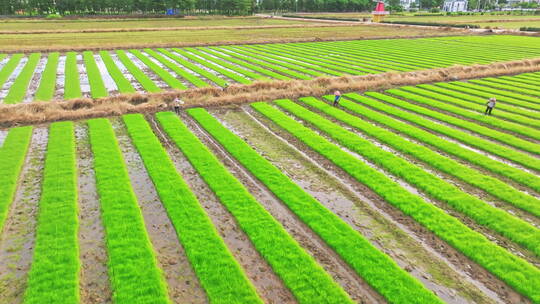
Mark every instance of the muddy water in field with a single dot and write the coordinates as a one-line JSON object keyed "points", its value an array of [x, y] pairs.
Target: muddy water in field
{"points": [[326, 257], [83, 76], [4, 90], [269, 286], [126, 73], [209, 70], [60, 78], [173, 73], [111, 86], [183, 284], [3, 135], [36, 78], [147, 71], [17, 238], [441, 268], [94, 278]]}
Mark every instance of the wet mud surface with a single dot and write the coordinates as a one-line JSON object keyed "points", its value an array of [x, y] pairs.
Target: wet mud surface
{"points": [[18, 235], [183, 284], [94, 278], [454, 269]]}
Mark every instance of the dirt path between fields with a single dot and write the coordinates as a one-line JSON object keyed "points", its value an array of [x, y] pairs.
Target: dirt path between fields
{"points": [[17, 238]]}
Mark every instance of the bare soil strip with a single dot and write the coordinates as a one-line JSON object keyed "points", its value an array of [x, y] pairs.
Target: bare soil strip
{"points": [[32, 113], [269, 286], [94, 278], [36, 78], [497, 290], [184, 287], [17, 239]]}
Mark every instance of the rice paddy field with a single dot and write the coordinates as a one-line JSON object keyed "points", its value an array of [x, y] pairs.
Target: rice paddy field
{"points": [[64, 76], [404, 194]]}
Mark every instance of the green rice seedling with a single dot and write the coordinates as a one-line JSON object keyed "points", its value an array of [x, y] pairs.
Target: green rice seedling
{"points": [[522, 177], [286, 69], [444, 103], [219, 273], [144, 80], [47, 84], [496, 219], [12, 153], [97, 87], [2, 56], [376, 268], [241, 63], [516, 272], [20, 87], [9, 67], [166, 76], [212, 66], [124, 86], [495, 135], [511, 85], [220, 82], [133, 271], [72, 85], [54, 274], [519, 81], [491, 147], [527, 101], [504, 110], [178, 70], [308, 281]]}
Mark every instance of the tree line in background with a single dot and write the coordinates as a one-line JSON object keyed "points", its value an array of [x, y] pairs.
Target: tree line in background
{"points": [[188, 7]]}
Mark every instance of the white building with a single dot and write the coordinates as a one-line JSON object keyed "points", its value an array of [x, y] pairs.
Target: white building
{"points": [[455, 5], [406, 4]]}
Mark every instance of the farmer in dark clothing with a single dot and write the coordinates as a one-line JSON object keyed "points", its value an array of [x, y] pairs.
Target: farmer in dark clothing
{"points": [[337, 97], [176, 104], [490, 105]]}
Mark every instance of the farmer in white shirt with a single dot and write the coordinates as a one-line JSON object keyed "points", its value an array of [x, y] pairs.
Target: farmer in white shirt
{"points": [[490, 105]]}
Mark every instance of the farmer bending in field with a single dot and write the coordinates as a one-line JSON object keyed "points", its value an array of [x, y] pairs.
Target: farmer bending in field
{"points": [[337, 97], [490, 105], [176, 104]]}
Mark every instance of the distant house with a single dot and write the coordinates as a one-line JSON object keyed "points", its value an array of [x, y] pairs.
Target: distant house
{"points": [[407, 4], [455, 5]]}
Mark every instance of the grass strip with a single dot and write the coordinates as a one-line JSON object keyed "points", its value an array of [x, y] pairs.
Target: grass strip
{"points": [[9, 67], [241, 63], [12, 153], [486, 145], [97, 86], [20, 87], [199, 83], [54, 274], [210, 65], [443, 103], [72, 85], [522, 177], [509, 268], [484, 214], [133, 271], [124, 85], [504, 110], [308, 281], [141, 77], [161, 72], [220, 82], [380, 271], [219, 273], [47, 84]]}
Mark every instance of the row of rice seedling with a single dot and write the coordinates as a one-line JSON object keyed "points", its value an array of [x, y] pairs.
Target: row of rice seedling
{"points": [[443, 103], [141, 77], [72, 85], [219, 273], [19, 88], [9, 67], [47, 84], [508, 267], [308, 281], [502, 83], [54, 274], [97, 86], [220, 82], [502, 222], [12, 153], [161, 72], [210, 65], [124, 86], [521, 158], [529, 83], [465, 99], [133, 271], [521, 177], [519, 99], [381, 272], [177, 69]]}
